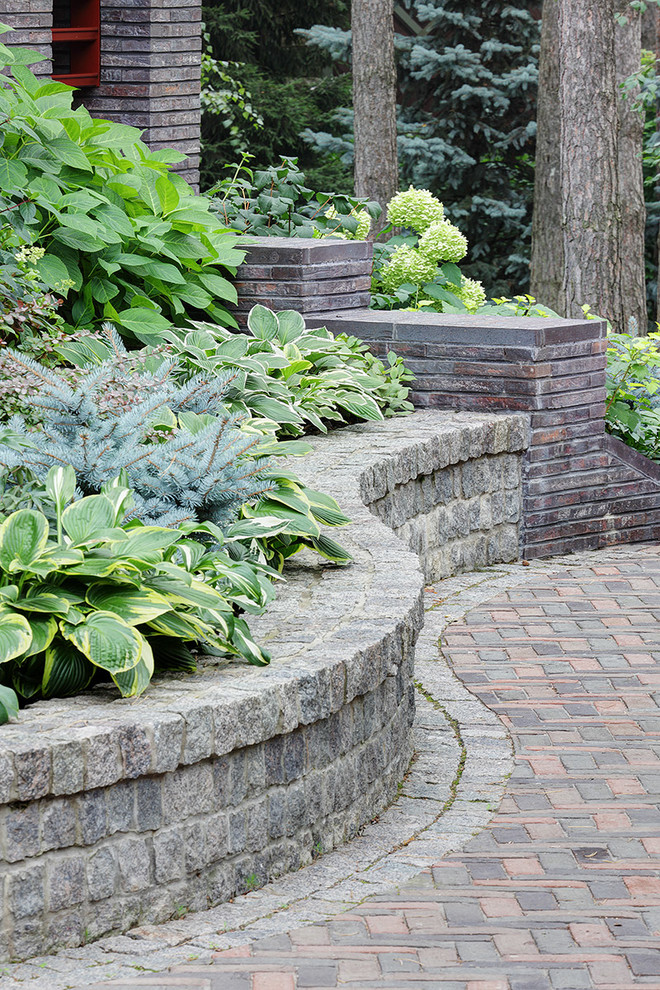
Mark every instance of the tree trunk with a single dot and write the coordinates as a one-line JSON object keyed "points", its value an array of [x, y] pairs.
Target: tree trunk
{"points": [[591, 215], [632, 281], [547, 272], [374, 102]]}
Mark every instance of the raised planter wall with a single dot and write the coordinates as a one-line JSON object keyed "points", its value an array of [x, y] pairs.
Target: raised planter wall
{"points": [[115, 813], [582, 489]]}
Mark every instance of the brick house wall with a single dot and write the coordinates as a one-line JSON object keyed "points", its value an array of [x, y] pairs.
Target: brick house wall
{"points": [[150, 67]]}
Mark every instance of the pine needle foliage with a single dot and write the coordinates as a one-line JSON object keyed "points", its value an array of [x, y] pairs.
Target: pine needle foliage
{"points": [[183, 454]]}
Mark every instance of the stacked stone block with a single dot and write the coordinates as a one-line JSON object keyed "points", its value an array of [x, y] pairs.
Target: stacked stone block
{"points": [[308, 275], [582, 489], [150, 73]]}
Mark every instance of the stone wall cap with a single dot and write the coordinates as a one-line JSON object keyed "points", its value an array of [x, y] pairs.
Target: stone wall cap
{"points": [[449, 328]]}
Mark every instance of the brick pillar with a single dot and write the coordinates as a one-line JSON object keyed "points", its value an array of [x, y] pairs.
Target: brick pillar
{"points": [[150, 73], [307, 274], [32, 21], [582, 488]]}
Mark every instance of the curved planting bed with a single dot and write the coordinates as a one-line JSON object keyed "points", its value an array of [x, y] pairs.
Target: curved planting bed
{"points": [[115, 812]]}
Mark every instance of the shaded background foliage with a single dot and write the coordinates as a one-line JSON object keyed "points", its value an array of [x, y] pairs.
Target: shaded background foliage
{"points": [[467, 108], [291, 85]]}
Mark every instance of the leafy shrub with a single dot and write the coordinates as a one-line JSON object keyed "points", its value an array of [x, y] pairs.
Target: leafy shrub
{"points": [[201, 468], [186, 456], [101, 598], [289, 378], [132, 240], [632, 410], [420, 270], [275, 202]]}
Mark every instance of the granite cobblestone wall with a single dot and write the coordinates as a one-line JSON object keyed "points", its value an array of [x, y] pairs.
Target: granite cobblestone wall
{"points": [[115, 813]]}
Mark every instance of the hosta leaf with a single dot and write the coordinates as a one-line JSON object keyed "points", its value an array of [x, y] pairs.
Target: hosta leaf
{"points": [[297, 522], [61, 486], [23, 537], [172, 654], [325, 509], [8, 704], [15, 635], [329, 549], [43, 633], [66, 670], [46, 602], [146, 540], [179, 625], [132, 683], [246, 646], [84, 518], [26, 676], [263, 323], [279, 412], [195, 593], [292, 326], [106, 640], [133, 605], [256, 528]]}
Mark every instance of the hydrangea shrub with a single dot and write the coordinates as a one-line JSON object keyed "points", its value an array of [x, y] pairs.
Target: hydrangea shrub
{"points": [[419, 269]]}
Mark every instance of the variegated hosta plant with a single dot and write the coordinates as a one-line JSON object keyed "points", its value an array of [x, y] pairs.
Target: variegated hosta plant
{"points": [[85, 596]]}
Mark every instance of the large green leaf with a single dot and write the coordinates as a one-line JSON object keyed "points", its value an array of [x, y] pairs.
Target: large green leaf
{"points": [[43, 633], [15, 635], [8, 704], [13, 175], [263, 323], [133, 605], [195, 593], [66, 670], [23, 538], [84, 518], [52, 604], [61, 486], [106, 640], [291, 325], [144, 323], [145, 541], [132, 683], [52, 271]]}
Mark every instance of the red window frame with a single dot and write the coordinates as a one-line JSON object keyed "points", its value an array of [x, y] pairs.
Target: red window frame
{"points": [[79, 43]]}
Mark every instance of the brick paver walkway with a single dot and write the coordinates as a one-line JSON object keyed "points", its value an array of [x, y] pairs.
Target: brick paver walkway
{"points": [[562, 890]]}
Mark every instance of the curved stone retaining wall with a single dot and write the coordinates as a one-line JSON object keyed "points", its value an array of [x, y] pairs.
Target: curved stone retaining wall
{"points": [[116, 812]]}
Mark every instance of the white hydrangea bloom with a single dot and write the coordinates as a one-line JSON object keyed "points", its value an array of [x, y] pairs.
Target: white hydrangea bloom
{"points": [[407, 265], [471, 293], [416, 209], [442, 241]]}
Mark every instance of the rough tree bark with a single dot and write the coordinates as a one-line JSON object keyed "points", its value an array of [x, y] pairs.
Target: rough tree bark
{"points": [[592, 215], [547, 272], [628, 59], [374, 102]]}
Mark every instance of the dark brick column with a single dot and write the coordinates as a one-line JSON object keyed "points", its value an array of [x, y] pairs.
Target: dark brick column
{"points": [[32, 21], [582, 488], [302, 273], [150, 73]]}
